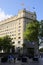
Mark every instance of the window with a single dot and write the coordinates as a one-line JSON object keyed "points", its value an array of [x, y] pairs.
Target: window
{"points": [[18, 33], [19, 30], [19, 37], [14, 37], [32, 16], [12, 34], [13, 42], [19, 23], [19, 26], [18, 41]]}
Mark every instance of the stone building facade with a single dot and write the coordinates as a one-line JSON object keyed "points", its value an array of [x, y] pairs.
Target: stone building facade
{"points": [[15, 26]]}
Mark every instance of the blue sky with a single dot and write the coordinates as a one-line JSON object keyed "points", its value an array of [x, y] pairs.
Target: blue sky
{"points": [[11, 7]]}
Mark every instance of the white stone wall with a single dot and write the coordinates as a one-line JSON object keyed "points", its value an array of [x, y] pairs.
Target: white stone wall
{"points": [[14, 26]]}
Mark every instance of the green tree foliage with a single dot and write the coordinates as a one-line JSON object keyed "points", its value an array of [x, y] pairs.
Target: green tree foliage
{"points": [[1, 43], [31, 34], [32, 31], [41, 28], [41, 32], [41, 50], [6, 43]]}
